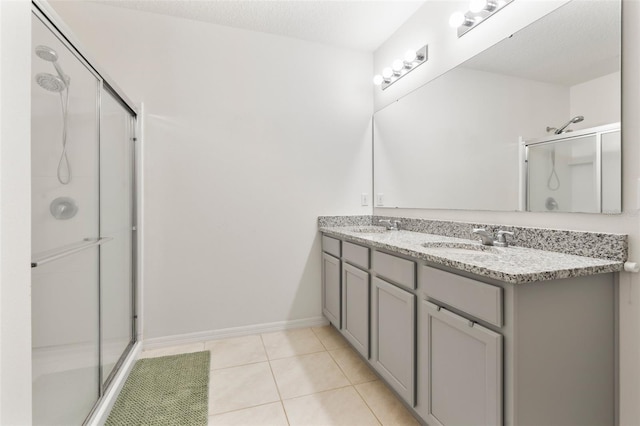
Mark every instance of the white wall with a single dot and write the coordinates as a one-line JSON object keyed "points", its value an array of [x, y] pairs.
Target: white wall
{"points": [[15, 217], [606, 110], [430, 25], [249, 137]]}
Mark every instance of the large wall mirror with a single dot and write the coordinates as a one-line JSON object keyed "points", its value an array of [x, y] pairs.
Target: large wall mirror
{"points": [[462, 140]]}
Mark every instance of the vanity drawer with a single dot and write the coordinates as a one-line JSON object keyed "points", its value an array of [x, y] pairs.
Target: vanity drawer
{"points": [[331, 245], [396, 269], [481, 300], [355, 254]]}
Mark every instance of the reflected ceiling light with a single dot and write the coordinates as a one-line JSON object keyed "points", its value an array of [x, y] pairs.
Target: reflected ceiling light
{"points": [[459, 19], [411, 60], [479, 5], [409, 56], [397, 66], [479, 11]]}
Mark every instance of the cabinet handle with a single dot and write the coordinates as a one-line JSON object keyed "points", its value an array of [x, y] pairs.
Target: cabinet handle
{"points": [[471, 323]]}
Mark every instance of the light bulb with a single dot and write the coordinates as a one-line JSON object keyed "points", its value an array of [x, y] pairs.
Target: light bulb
{"points": [[457, 19], [377, 80], [410, 56], [397, 65], [387, 73], [477, 5]]}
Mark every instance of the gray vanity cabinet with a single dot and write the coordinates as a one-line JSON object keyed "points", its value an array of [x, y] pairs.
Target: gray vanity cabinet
{"points": [[463, 369], [355, 308], [464, 349], [331, 280], [393, 318], [515, 354], [331, 293]]}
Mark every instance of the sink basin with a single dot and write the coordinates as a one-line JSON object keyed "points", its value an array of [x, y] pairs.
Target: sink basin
{"points": [[461, 248], [368, 229]]}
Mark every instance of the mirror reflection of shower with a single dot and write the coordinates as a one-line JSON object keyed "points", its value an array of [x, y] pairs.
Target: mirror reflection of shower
{"points": [[563, 128], [58, 84], [553, 183]]}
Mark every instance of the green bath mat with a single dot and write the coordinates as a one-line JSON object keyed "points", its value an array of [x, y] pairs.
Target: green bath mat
{"points": [[170, 390]]}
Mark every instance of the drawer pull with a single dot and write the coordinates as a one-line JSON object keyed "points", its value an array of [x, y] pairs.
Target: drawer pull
{"points": [[471, 323]]}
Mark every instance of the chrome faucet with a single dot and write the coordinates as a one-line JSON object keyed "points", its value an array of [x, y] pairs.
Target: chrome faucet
{"points": [[485, 236], [391, 225], [489, 240]]}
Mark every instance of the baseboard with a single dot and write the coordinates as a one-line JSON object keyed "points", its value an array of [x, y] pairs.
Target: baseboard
{"points": [[101, 412], [202, 336]]}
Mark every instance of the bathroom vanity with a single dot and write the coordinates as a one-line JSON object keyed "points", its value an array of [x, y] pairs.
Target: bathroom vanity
{"points": [[471, 334]]}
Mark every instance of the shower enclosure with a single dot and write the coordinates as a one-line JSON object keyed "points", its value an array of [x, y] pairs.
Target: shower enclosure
{"points": [[83, 229]]}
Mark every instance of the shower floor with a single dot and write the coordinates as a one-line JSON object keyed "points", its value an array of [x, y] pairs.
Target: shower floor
{"points": [[64, 397], [65, 381]]}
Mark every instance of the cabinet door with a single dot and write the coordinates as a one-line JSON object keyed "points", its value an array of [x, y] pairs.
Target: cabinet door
{"points": [[331, 288], [464, 370], [394, 316], [355, 305]]}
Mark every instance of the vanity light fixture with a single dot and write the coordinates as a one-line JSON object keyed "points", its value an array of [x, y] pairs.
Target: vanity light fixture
{"points": [[479, 10], [401, 67]]}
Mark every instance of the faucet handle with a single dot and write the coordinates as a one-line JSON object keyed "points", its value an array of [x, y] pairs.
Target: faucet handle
{"points": [[397, 224], [501, 240]]}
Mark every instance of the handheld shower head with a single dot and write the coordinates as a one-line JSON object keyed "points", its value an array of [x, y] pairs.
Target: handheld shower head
{"points": [[46, 53], [561, 129], [50, 82]]}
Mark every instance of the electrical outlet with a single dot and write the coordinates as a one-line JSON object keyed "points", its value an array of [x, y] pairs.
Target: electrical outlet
{"points": [[364, 199], [380, 199]]}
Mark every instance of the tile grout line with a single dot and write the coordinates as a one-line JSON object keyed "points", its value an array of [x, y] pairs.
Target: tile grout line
{"points": [[273, 376], [344, 373], [367, 404], [319, 339], [235, 410], [306, 395]]}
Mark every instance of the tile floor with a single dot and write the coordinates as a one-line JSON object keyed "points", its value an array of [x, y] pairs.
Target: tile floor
{"points": [[305, 376]]}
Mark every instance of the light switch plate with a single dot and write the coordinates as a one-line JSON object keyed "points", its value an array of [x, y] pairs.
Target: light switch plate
{"points": [[364, 199], [380, 199]]}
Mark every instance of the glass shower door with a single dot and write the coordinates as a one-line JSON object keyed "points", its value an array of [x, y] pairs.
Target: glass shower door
{"points": [[116, 222], [65, 232]]}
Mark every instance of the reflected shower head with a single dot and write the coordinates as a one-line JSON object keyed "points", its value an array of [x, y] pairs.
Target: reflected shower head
{"points": [[46, 53], [561, 129], [50, 82]]}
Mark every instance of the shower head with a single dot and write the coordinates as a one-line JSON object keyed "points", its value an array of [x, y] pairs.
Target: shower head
{"points": [[561, 129], [50, 82], [46, 53]]}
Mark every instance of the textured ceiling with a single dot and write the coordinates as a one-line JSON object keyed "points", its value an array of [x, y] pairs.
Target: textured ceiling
{"points": [[362, 25], [576, 43]]}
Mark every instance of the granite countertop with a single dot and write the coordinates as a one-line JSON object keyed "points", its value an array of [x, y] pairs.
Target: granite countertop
{"points": [[511, 264]]}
